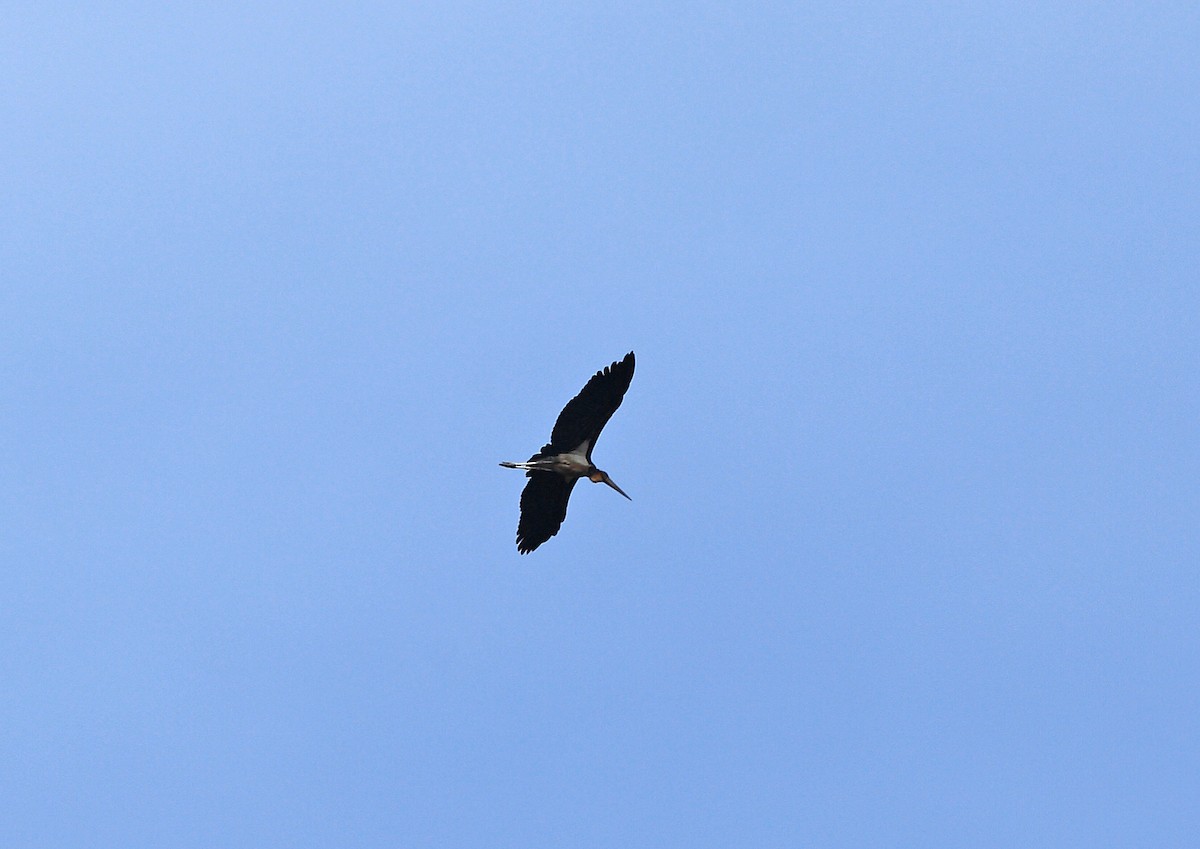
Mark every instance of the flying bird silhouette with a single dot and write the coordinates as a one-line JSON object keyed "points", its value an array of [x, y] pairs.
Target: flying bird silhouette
{"points": [[567, 457]]}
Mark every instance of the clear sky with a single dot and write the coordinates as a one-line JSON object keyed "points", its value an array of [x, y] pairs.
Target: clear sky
{"points": [[913, 443]]}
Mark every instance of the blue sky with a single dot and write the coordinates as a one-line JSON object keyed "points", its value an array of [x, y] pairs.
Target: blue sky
{"points": [[913, 442]]}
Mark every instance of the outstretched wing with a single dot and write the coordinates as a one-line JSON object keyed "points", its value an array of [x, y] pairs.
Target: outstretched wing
{"points": [[543, 508], [588, 412]]}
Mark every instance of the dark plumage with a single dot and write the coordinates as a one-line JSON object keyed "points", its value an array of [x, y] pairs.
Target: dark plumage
{"points": [[543, 508], [553, 471], [588, 412]]}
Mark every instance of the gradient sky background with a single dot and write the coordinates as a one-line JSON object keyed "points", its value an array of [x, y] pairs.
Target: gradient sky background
{"points": [[913, 444]]}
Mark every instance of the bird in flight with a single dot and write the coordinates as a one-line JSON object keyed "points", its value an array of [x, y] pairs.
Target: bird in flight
{"points": [[553, 471]]}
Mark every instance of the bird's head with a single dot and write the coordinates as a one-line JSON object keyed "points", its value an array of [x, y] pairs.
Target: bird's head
{"points": [[602, 477]]}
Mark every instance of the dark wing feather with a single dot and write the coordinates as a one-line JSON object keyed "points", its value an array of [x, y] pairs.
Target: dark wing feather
{"points": [[543, 508], [588, 412]]}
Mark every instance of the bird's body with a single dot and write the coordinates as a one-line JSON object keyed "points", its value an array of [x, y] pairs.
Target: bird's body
{"points": [[553, 471], [569, 464]]}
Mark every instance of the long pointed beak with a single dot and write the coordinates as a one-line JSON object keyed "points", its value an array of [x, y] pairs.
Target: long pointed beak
{"points": [[608, 481]]}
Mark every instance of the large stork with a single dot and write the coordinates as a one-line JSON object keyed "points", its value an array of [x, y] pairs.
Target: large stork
{"points": [[553, 471]]}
